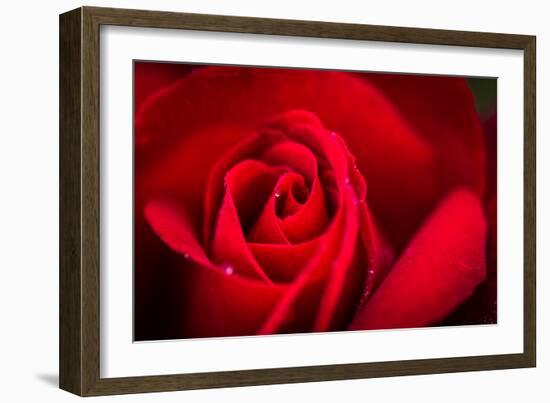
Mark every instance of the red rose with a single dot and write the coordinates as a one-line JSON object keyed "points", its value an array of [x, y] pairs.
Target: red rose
{"points": [[280, 201]]}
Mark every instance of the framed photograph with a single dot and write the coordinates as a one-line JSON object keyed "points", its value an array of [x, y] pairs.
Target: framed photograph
{"points": [[249, 201]]}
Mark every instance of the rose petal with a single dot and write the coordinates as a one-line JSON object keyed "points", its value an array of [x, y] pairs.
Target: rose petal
{"points": [[182, 172], [248, 148], [209, 301], [438, 270], [336, 268], [292, 203], [347, 274], [481, 308], [151, 77], [170, 224], [251, 183], [156, 274], [284, 262], [216, 304], [290, 187], [305, 127], [275, 225], [267, 228], [229, 245], [389, 154], [296, 310], [310, 220], [296, 156], [379, 253], [441, 110]]}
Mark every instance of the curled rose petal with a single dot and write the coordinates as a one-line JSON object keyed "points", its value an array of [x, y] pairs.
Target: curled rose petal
{"points": [[171, 224], [438, 270], [220, 303], [229, 245], [390, 155], [309, 220], [250, 183], [441, 110], [149, 77], [267, 228], [298, 307], [379, 253], [336, 273], [247, 186], [248, 148], [482, 306], [170, 176], [345, 279], [296, 156], [283, 262], [218, 292], [284, 219]]}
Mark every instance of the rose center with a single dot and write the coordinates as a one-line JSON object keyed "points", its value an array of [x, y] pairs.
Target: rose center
{"points": [[290, 195]]}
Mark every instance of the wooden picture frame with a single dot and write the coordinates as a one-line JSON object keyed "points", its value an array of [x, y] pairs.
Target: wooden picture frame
{"points": [[79, 201]]}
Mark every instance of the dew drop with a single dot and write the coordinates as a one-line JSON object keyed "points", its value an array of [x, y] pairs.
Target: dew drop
{"points": [[186, 255], [347, 180], [277, 194], [228, 269], [332, 134]]}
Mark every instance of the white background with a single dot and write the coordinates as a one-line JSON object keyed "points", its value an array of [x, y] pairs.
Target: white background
{"points": [[29, 202]]}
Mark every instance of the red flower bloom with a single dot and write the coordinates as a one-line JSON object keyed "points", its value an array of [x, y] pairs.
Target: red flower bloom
{"points": [[280, 201]]}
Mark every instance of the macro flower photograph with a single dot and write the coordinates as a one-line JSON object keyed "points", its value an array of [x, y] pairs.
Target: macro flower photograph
{"points": [[271, 200]]}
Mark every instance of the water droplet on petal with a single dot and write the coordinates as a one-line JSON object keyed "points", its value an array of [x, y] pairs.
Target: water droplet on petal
{"points": [[347, 180], [371, 272], [277, 193], [228, 269], [186, 255], [332, 134]]}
